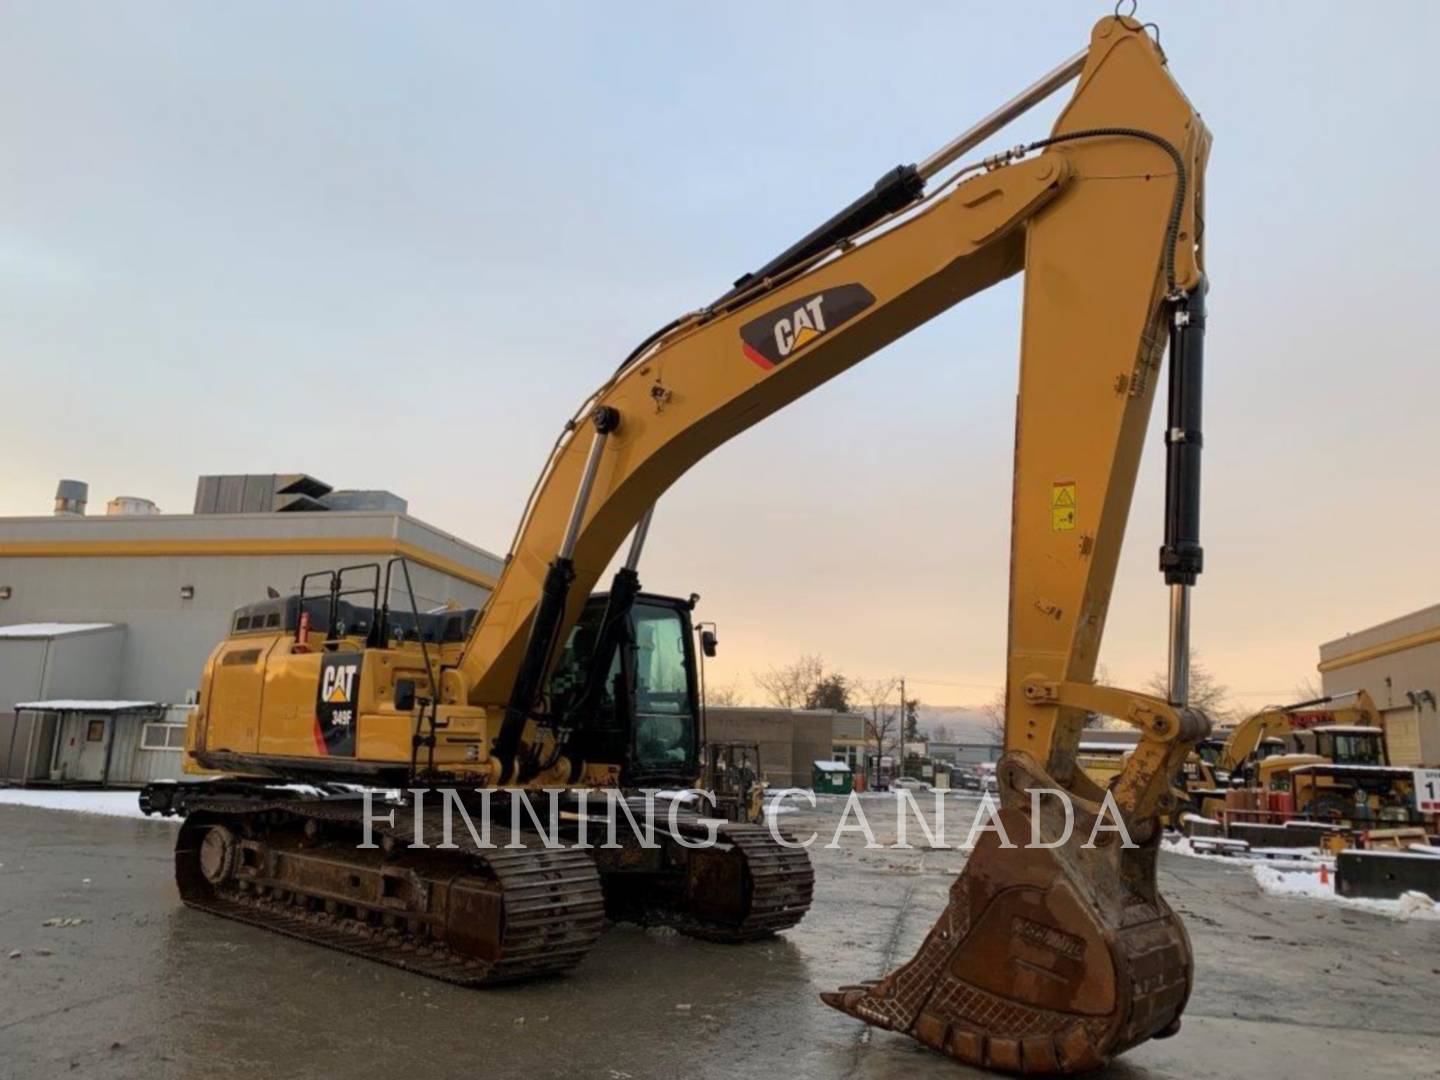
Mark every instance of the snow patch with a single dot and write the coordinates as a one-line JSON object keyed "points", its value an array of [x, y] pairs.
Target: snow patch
{"points": [[122, 804], [1306, 885], [85, 705]]}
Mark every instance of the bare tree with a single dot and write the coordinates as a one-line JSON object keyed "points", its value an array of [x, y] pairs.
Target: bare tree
{"points": [[1206, 691], [994, 713], [724, 694], [940, 732], [1308, 690], [880, 705], [789, 687]]}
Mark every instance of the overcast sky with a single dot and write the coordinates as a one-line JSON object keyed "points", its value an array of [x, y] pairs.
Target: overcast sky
{"points": [[395, 245]]}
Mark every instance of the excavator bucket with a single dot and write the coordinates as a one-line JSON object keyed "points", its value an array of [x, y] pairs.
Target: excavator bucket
{"points": [[1046, 959]]}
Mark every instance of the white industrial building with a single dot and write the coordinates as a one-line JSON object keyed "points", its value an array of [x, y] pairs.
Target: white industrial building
{"points": [[126, 606], [1398, 662]]}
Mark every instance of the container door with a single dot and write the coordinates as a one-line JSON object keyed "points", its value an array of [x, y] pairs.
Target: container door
{"points": [[80, 748]]}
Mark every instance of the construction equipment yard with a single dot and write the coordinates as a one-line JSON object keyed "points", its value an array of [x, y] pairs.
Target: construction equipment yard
{"points": [[143, 986], [299, 785]]}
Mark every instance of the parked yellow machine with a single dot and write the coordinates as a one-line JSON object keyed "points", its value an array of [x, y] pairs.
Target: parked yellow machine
{"points": [[1045, 960], [1329, 753], [1347, 777], [733, 774], [1247, 743], [1228, 759]]}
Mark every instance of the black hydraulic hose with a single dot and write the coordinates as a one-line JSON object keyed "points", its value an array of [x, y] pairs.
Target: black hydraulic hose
{"points": [[636, 352], [1177, 205], [899, 188]]}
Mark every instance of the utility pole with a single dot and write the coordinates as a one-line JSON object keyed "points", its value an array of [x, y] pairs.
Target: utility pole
{"points": [[903, 717]]}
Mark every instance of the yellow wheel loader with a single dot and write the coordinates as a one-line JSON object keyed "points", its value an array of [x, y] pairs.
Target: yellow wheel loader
{"points": [[1343, 774], [1045, 960]]}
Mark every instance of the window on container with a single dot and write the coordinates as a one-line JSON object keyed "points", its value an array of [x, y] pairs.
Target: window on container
{"points": [[160, 736]]}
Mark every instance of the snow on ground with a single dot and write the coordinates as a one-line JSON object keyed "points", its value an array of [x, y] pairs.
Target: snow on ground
{"points": [[107, 803], [1306, 885], [1298, 877], [1307, 858]]}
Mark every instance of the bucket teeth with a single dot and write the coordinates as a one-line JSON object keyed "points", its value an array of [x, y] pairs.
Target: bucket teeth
{"points": [[1043, 961]]}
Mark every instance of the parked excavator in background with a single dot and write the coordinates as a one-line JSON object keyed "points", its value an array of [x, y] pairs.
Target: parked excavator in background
{"points": [[1328, 752], [1342, 774], [1046, 959], [733, 774]]}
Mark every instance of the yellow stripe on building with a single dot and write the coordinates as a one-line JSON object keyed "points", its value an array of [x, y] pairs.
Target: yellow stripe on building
{"points": [[209, 548]]}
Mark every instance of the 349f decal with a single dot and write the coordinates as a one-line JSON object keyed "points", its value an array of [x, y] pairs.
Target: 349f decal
{"points": [[777, 335], [335, 703]]}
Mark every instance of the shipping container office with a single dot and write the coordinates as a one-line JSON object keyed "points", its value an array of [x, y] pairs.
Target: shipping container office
{"points": [[101, 743]]}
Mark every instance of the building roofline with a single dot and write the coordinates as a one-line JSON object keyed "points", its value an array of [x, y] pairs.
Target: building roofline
{"points": [[1372, 642], [85, 705], [389, 523], [49, 631]]}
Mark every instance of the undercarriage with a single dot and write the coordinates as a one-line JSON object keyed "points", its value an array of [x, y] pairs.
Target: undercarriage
{"points": [[518, 904]]}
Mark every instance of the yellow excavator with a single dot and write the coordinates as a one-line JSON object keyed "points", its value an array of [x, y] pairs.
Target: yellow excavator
{"points": [[1246, 742], [1242, 756], [1045, 960]]}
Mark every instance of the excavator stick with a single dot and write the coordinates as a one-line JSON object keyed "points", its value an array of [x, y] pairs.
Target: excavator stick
{"points": [[1045, 960], [1056, 952]]}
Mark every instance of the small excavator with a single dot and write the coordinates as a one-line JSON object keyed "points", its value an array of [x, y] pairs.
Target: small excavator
{"points": [[1338, 746], [1045, 960]]}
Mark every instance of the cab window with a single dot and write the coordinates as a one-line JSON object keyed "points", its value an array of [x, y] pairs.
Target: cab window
{"points": [[664, 720]]}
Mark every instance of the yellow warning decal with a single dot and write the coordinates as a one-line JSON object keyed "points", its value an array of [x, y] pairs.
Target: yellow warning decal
{"points": [[1062, 507]]}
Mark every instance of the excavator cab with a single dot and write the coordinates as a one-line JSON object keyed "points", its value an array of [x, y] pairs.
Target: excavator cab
{"points": [[643, 713], [1349, 744]]}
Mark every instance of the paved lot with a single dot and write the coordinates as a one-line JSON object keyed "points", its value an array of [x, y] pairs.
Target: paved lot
{"points": [[145, 987]]}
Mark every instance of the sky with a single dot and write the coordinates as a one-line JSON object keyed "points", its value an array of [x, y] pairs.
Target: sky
{"points": [[394, 246]]}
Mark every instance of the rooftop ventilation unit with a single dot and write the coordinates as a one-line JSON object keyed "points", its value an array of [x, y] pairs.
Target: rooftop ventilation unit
{"points": [[70, 498]]}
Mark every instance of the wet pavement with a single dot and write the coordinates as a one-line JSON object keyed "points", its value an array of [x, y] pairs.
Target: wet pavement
{"points": [[145, 987]]}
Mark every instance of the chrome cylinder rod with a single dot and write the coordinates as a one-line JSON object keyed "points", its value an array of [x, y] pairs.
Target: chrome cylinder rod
{"points": [[637, 541], [1020, 104], [1178, 678], [606, 420]]}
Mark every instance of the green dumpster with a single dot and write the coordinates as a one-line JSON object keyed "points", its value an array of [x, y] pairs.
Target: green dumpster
{"points": [[830, 778]]}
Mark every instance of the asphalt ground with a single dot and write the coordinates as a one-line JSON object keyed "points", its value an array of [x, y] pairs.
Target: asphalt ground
{"points": [[145, 987]]}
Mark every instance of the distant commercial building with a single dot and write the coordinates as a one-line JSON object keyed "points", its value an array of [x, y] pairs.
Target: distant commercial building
{"points": [[790, 740], [126, 606], [851, 741], [1398, 662], [285, 493], [967, 753]]}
